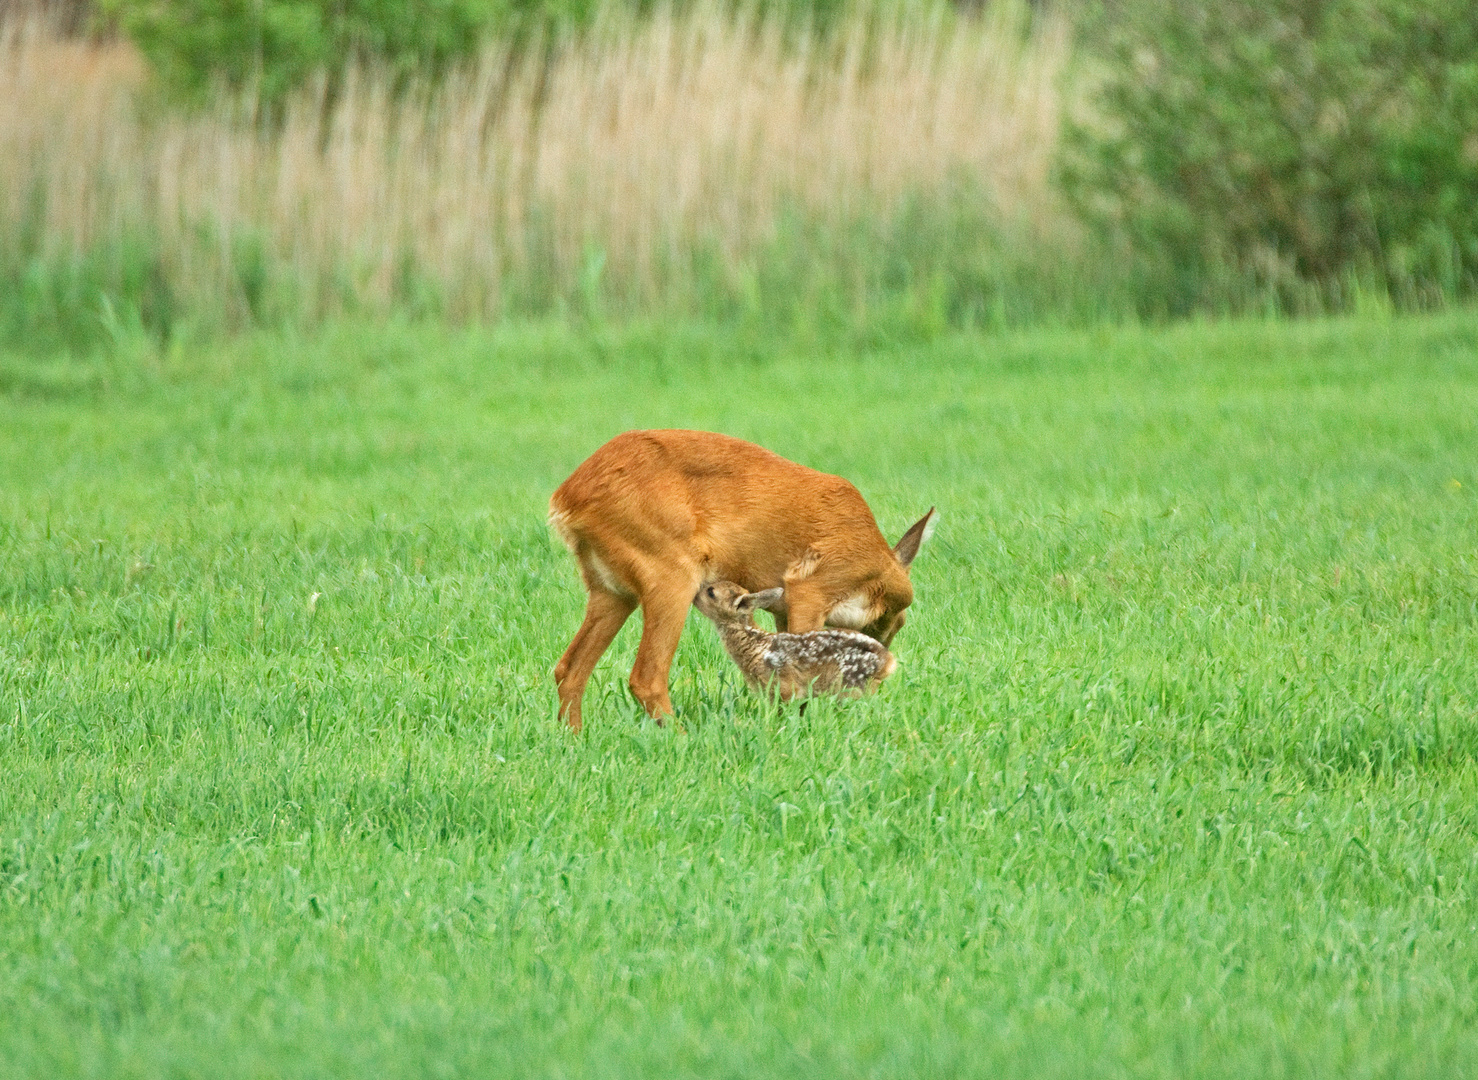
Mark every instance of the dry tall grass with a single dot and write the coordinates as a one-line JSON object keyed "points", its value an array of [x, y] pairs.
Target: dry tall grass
{"points": [[623, 155]]}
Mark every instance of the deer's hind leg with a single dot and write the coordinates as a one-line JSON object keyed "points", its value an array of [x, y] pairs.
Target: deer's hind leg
{"points": [[605, 613]]}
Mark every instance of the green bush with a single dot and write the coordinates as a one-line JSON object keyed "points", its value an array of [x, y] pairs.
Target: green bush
{"points": [[1284, 148], [274, 45]]}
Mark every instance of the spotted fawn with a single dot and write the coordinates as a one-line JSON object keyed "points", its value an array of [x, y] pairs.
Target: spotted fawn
{"points": [[842, 662]]}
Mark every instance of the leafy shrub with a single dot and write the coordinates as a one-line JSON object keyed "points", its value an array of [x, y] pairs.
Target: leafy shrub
{"points": [[274, 45], [1284, 147]]}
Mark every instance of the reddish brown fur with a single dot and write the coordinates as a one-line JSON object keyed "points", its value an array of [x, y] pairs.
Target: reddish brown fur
{"points": [[651, 515]]}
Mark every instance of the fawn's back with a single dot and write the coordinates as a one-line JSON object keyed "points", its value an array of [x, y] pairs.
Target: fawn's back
{"points": [[828, 661]]}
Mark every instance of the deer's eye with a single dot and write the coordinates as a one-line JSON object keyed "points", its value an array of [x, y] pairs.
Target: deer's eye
{"points": [[710, 592]]}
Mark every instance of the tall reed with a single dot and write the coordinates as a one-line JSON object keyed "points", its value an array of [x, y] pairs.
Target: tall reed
{"points": [[650, 164]]}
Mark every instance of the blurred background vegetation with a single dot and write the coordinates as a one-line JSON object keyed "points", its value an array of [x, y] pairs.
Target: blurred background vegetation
{"points": [[882, 168]]}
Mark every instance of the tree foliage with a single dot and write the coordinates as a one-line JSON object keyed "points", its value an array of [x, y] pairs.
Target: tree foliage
{"points": [[275, 45], [1286, 143]]}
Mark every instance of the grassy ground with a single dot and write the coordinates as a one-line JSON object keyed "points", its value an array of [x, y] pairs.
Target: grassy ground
{"points": [[1177, 777]]}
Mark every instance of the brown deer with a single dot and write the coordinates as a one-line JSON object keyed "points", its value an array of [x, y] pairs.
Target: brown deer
{"points": [[652, 515]]}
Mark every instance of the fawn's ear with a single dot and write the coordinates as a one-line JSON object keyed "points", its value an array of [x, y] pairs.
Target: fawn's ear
{"points": [[766, 599], [914, 539]]}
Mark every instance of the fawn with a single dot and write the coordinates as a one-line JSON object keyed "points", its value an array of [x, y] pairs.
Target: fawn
{"points": [[842, 662]]}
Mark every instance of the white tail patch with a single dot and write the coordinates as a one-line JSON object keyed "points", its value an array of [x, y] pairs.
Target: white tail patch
{"points": [[559, 521]]}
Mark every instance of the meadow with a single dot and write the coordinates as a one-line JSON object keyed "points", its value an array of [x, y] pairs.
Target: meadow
{"points": [[1176, 779]]}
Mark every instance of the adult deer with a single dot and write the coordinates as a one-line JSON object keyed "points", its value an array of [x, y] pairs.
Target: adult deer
{"points": [[652, 515]]}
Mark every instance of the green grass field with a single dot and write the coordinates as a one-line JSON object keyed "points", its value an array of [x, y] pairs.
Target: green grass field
{"points": [[1177, 777]]}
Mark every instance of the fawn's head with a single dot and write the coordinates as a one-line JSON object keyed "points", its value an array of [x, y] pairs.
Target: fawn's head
{"points": [[726, 602]]}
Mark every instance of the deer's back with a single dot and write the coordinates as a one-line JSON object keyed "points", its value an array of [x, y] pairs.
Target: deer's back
{"points": [[741, 510]]}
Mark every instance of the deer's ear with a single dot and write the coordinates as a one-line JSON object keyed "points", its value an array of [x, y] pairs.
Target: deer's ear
{"points": [[766, 599], [914, 539]]}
